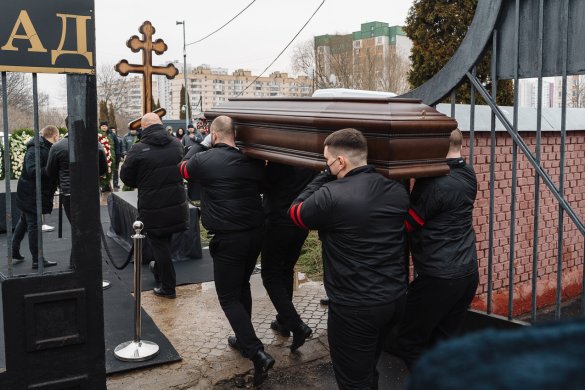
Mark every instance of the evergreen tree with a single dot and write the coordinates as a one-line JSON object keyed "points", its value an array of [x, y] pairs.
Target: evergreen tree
{"points": [[436, 28], [112, 116], [187, 106], [157, 103], [103, 111]]}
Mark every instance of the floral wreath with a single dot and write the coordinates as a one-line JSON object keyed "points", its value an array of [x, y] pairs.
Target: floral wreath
{"points": [[106, 144]]}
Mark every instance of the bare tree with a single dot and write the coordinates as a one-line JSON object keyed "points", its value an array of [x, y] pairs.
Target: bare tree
{"points": [[394, 77], [112, 88], [19, 88], [303, 62], [576, 91]]}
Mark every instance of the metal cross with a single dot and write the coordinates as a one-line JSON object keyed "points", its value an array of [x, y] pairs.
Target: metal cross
{"points": [[147, 46]]}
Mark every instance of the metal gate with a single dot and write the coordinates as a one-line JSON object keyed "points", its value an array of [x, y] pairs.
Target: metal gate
{"points": [[53, 321], [527, 39]]}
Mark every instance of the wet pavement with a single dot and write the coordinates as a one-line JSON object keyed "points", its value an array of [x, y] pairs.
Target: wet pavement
{"points": [[198, 329]]}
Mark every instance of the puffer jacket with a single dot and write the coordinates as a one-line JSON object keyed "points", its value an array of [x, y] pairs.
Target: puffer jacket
{"points": [[26, 188], [151, 166]]}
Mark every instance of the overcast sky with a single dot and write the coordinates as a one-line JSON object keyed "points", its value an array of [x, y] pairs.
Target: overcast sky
{"points": [[251, 41]]}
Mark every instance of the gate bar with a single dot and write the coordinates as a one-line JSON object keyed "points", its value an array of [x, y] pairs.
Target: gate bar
{"points": [[536, 210], [40, 256], [492, 172], [514, 165], [7, 175], [472, 121], [565, 48]]}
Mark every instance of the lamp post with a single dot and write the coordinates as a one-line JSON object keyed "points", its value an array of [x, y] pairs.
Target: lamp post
{"points": [[185, 76]]}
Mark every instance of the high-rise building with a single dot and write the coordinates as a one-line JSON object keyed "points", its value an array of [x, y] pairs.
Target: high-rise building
{"points": [[209, 87], [364, 59]]}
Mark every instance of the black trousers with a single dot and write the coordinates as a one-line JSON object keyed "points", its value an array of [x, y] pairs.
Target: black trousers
{"points": [[66, 202], [356, 338], [435, 310], [115, 169], [280, 252], [161, 250], [27, 224], [234, 257]]}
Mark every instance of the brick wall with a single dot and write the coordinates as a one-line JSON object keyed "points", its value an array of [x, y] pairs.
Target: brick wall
{"points": [[573, 243]]}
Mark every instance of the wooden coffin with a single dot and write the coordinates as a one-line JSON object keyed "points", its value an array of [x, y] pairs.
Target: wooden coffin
{"points": [[405, 137]]}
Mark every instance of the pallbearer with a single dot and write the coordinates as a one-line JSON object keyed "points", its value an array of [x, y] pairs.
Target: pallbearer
{"points": [[232, 211], [360, 217]]}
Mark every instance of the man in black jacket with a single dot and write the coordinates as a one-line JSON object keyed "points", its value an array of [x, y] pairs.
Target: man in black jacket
{"points": [[360, 219], [26, 195], [442, 244], [232, 211], [151, 166], [58, 169], [283, 241]]}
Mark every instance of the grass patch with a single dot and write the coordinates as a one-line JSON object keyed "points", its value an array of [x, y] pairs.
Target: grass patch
{"points": [[310, 262]]}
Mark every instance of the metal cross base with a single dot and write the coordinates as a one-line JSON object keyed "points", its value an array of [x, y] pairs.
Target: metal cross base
{"points": [[132, 351], [106, 284]]}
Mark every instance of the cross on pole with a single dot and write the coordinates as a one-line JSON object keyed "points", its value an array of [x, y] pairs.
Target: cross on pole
{"points": [[147, 46]]}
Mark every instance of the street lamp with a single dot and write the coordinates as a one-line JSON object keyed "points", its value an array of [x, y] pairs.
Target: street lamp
{"points": [[185, 75]]}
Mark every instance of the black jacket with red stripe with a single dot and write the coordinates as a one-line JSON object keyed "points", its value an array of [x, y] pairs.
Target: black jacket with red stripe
{"points": [[440, 222], [230, 188], [360, 219]]}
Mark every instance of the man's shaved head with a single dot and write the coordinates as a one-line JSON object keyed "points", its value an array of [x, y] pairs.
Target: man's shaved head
{"points": [[150, 119], [223, 128]]}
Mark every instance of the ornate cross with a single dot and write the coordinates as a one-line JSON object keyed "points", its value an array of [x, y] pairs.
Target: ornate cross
{"points": [[147, 46]]}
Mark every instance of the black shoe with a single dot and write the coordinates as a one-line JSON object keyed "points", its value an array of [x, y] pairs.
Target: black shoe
{"points": [[262, 363], [324, 301], [46, 263], [300, 334], [152, 268], [161, 292], [233, 342], [17, 256], [277, 326]]}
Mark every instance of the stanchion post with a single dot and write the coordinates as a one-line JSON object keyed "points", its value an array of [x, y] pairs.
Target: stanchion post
{"points": [[137, 350]]}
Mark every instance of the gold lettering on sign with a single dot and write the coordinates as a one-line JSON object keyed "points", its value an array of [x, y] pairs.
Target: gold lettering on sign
{"points": [[30, 35], [81, 29]]}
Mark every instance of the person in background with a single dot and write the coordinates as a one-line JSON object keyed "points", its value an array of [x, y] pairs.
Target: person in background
{"points": [[442, 245], [189, 139], [58, 168], [180, 133], [26, 195], [360, 218], [117, 157], [151, 166], [170, 131], [128, 140]]}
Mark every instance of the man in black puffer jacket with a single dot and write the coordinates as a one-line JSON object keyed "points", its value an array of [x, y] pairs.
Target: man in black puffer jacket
{"points": [[360, 218], [232, 209], [58, 169], [26, 195], [151, 166]]}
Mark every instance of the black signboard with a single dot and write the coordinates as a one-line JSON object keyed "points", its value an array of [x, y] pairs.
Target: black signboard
{"points": [[56, 36]]}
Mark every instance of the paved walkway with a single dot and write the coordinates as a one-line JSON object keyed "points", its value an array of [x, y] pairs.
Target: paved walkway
{"points": [[198, 329]]}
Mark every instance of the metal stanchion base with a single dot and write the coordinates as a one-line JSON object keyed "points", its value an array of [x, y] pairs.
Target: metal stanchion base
{"points": [[106, 284], [132, 351]]}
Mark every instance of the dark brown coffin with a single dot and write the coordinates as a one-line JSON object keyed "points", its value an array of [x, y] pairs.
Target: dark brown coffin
{"points": [[405, 137]]}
